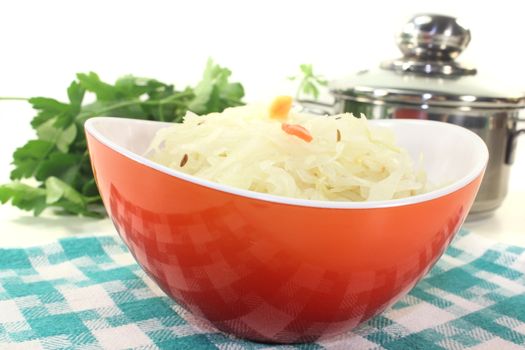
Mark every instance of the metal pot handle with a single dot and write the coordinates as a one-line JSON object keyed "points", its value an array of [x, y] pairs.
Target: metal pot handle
{"points": [[316, 107], [512, 143]]}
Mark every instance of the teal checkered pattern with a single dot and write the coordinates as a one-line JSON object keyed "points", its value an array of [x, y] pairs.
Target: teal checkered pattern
{"points": [[88, 293]]}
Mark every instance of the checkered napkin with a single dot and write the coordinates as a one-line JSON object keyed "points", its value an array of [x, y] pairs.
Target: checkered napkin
{"points": [[88, 293]]}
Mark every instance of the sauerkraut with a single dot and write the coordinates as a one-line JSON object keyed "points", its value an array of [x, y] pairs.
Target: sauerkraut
{"points": [[334, 158]]}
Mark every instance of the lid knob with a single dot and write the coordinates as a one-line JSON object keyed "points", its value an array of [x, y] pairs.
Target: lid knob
{"points": [[433, 37], [430, 43]]}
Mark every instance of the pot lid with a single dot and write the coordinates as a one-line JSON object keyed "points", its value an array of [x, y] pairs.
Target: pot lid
{"points": [[428, 72]]}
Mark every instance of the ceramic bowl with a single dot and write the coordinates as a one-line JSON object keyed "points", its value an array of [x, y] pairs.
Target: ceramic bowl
{"points": [[277, 269]]}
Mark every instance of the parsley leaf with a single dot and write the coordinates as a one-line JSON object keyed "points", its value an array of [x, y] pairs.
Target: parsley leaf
{"points": [[24, 196], [47, 108], [215, 93], [310, 83], [28, 158]]}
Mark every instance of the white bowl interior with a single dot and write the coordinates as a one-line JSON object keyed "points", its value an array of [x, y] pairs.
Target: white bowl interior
{"points": [[131, 134], [452, 156], [448, 152]]}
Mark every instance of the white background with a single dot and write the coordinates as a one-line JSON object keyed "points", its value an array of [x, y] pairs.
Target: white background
{"points": [[44, 43]]}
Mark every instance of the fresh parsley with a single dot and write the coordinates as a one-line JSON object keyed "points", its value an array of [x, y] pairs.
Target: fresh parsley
{"points": [[53, 170], [309, 82]]}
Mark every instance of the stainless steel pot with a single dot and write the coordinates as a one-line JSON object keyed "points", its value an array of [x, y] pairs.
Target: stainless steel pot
{"points": [[427, 83]]}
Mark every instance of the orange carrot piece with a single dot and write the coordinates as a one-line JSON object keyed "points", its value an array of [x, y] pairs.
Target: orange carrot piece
{"points": [[280, 107], [298, 131]]}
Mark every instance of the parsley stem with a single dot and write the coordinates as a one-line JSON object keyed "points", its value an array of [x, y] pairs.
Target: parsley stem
{"points": [[92, 199], [112, 107], [115, 106], [4, 98]]}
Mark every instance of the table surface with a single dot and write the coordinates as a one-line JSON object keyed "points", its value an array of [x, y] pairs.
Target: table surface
{"points": [[21, 229]]}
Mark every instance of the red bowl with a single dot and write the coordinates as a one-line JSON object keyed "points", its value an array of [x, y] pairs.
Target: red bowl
{"points": [[277, 269]]}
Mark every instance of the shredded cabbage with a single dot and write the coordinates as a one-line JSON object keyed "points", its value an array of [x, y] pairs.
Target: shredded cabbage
{"points": [[347, 159]]}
